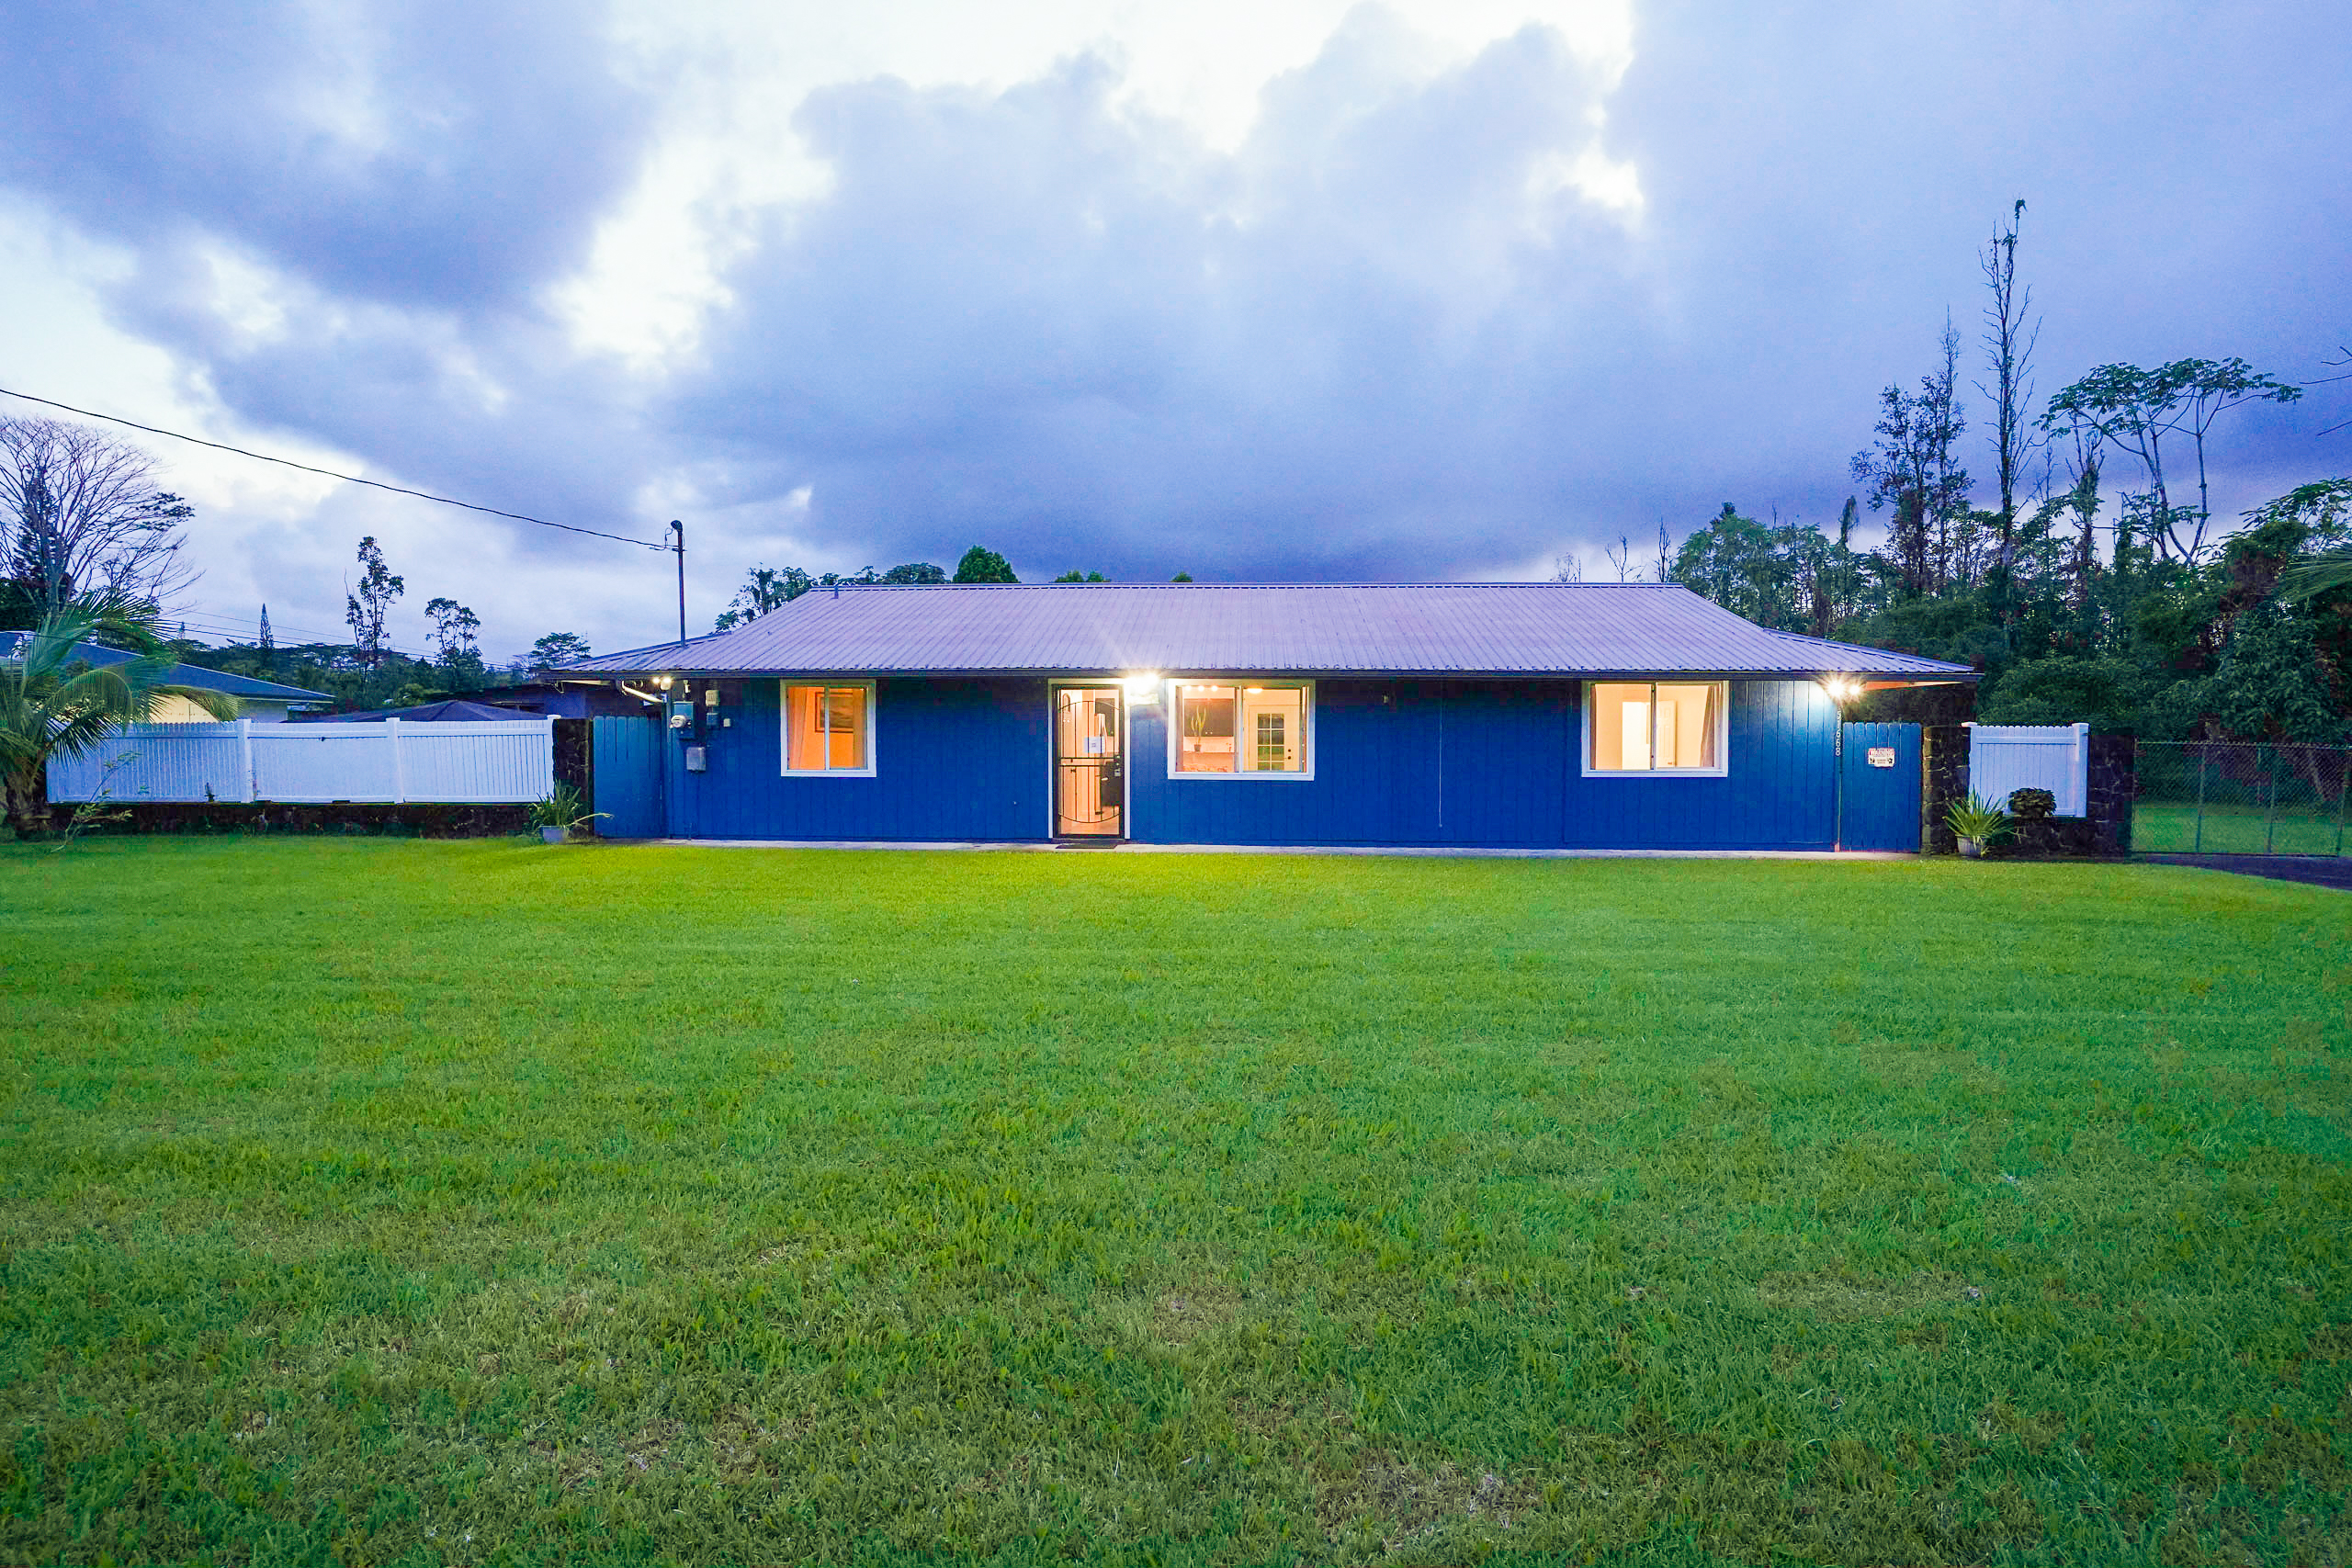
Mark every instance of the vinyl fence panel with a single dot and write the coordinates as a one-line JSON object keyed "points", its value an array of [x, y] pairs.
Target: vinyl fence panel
{"points": [[166, 762], [2055, 757], [491, 760], [386, 760]]}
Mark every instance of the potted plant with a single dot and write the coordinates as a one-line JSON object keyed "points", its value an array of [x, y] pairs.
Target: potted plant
{"points": [[1196, 725], [560, 813], [1974, 822]]}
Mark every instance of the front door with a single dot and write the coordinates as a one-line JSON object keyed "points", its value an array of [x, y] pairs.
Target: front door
{"points": [[1090, 764]]}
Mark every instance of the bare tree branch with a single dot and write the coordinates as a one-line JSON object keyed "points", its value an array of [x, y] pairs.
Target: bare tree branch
{"points": [[84, 519]]}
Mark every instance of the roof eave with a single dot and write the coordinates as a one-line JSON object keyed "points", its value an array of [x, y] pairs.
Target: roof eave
{"points": [[869, 672]]}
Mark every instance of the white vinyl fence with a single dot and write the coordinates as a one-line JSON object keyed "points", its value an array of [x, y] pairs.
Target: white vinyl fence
{"points": [[385, 760], [2055, 757]]}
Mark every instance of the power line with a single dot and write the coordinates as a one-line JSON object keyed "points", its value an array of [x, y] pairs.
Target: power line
{"points": [[330, 473]]}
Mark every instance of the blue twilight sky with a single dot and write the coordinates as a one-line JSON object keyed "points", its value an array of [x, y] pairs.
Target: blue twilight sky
{"points": [[1439, 288]]}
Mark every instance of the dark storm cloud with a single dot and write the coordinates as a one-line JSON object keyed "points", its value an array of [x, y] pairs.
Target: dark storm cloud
{"points": [[1356, 348], [1078, 332], [436, 153], [1378, 340], [408, 179]]}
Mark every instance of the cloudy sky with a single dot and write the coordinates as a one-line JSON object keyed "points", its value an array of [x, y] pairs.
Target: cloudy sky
{"points": [[1252, 288]]}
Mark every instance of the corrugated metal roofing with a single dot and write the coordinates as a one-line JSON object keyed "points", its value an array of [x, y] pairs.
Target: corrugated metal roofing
{"points": [[1488, 629], [11, 647], [449, 710]]}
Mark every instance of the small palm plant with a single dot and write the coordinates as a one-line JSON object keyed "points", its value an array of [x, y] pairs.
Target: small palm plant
{"points": [[1975, 821], [55, 704], [560, 814]]}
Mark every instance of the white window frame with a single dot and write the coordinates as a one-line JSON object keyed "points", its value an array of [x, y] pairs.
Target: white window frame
{"points": [[783, 732], [1170, 705], [1722, 729]]}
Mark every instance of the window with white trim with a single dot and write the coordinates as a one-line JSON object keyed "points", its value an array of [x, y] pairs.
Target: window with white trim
{"points": [[1235, 730], [1655, 727], [828, 728]]}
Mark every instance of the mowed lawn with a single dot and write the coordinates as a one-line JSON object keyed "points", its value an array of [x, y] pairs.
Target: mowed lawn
{"points": [[389, 1202]]}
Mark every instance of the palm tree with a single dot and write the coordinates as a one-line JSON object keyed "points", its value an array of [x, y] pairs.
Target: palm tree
{"points": [[54, 703], [2315, 575]]}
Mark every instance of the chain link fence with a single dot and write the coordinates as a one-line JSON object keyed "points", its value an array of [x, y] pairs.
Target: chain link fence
{"points": [[2216, 798]]}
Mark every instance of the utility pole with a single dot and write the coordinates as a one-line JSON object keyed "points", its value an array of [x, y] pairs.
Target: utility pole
{"points": [[680, 530]]}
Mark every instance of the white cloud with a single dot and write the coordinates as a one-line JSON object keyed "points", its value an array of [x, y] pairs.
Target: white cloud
{"points": [[1415, 289]]}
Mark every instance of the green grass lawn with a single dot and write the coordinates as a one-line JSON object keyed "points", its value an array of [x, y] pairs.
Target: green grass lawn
{"points": [[2172, 826], [383, 1201]]}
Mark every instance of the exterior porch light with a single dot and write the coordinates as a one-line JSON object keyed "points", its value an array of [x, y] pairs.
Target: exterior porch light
{"points": [[1142, 689], [1842, 688]]}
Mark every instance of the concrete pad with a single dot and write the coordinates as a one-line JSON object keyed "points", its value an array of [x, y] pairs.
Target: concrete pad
{"points": [[1412, 851]]}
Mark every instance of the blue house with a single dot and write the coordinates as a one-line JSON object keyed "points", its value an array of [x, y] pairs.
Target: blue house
{"points": [[1498, 714]]}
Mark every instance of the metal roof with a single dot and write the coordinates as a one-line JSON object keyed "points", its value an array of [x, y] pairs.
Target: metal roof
{"points": [[449, 710], [1453, 628], [11, 646]]}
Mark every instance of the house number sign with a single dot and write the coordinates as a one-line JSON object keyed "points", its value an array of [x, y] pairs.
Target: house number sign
{"points": [[1882, 756]]}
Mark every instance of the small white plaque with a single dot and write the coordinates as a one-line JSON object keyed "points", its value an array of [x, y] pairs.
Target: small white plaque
{"points": [[1882, 756]]}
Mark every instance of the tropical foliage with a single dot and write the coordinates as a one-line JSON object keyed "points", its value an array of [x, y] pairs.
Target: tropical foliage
{"points": [[768, 588], [55, 703]]}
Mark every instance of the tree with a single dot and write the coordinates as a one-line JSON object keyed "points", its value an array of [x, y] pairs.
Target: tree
{"points": [[457, 642], [984, 565], [558, 649], [1076, 576], [265, 642], [918, 572], [2271, 684], [366, 607], [2134, 409], [54, 703], [85, 520], [456, 629], [2323, 512], [1912, 467], [1732, 561], [764, 589], [2008, 346], [1181, 577]]}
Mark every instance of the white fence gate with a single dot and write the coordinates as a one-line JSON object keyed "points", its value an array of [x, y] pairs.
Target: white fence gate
{"points": [[381, 761], [2055, 757]]}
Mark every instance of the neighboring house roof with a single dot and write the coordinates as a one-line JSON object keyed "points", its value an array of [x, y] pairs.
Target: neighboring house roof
{"points": [[455, 710], [11, 646], [1453, 628]]}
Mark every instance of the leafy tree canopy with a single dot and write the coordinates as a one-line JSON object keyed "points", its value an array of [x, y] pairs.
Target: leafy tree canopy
{"points": [[557, 648], [980, 565]]}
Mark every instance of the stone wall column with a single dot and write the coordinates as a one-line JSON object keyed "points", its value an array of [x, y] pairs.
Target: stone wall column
{"points": [[2112, 788], [1943, 761]]}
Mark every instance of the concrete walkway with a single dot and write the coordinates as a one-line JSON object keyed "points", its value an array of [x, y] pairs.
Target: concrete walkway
{"points": [[1124, 848], [2320, 871]]}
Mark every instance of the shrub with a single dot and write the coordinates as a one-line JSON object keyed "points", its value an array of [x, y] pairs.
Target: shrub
{"points": [[2032, 804]]}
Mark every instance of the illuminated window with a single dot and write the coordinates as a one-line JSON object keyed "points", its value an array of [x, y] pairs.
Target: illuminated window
{"points": [[828, 729], [1236, 730], [1654, 726]]}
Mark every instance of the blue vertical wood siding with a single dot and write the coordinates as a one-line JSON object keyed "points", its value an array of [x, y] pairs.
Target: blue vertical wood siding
{"points": [[1489, 763], [1500, 764], [954, 760]]}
